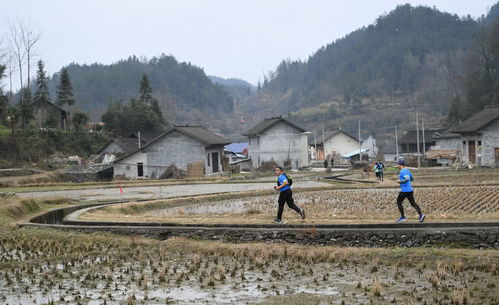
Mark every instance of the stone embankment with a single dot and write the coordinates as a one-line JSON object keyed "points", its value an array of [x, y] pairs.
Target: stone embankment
{"points": [[468, 234]]}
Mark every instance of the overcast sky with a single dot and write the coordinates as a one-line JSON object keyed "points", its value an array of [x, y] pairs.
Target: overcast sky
{"points": [[228, 38]]}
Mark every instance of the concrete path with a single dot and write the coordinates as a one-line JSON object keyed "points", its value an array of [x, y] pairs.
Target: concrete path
{"points": [[155, 192]]}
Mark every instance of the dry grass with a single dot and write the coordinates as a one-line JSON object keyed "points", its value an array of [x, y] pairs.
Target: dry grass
{"points": [[14, 210]]}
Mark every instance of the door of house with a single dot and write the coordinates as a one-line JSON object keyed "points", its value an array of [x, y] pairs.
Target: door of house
{"points": [[497, 156], [140, 169], [471, 151], [214, 162]]}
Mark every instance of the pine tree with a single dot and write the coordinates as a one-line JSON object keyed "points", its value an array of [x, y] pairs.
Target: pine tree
{"points": [[145, 89], [147, 98], [64, 89], [42, 92]]}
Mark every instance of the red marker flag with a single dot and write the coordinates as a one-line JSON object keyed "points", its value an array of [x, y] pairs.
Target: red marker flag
{"points": [[121, 189]]}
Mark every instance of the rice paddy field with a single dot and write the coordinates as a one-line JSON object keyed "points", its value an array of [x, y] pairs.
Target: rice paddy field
{"points": [[53, 267], [44, 266], [372, 205]]}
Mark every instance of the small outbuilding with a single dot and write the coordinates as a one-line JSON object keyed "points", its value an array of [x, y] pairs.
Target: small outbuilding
{"points": [[47, 114]]}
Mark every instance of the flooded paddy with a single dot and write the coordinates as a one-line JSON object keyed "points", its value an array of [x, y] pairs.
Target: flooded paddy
{"points": [[51, 267]]}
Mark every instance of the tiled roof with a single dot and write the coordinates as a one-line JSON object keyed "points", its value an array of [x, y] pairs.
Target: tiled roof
{"points": [[267, 123], [478, 121]]}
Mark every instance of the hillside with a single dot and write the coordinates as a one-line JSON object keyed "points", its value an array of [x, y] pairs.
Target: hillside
{"points": [[405, 61], [237, 88], [184, 92]]}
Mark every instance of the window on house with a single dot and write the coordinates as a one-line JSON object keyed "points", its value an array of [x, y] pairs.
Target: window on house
{"points": [[208, 159], [464, 142], [479, 143]]}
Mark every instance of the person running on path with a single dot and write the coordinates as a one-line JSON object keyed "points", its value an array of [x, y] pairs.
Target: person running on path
{"points": [[381, 168], [285, 195], [406, 191], [376, 170]]}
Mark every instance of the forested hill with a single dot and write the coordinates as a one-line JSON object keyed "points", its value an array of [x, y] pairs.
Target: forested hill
{"points": [[406, 59], [184, 92]]}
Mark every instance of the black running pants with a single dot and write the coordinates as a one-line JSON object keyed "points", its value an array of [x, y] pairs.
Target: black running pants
{"points": [[410, 197], [286, 197]]}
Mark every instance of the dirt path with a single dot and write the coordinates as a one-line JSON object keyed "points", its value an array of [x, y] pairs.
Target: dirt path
{"points": [[154, 192]]}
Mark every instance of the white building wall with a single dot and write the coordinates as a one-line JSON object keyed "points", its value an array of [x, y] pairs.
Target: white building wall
{"points": [[174, 148], [127, 167], [340, 144], [447, 143], [280, 143]]}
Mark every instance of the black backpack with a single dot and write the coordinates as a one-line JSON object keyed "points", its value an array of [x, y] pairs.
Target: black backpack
{"points": [[288, 177]]}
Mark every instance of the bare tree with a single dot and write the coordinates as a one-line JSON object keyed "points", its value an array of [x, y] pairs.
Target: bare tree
{"points": [[17, 47], [22, 40], [29, 37]]}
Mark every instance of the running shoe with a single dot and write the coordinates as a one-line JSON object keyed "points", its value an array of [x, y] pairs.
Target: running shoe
{"points": [[402, 219], [302, 213], [422, 217], [277, 221]]}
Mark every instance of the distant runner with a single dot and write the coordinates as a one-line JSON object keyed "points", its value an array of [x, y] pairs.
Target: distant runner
{"points": [[285, 195], [406, 191], [378, 170]]}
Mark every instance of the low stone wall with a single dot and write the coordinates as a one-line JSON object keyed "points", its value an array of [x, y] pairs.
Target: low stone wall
{"points": [[469, 235], [460, 237]]}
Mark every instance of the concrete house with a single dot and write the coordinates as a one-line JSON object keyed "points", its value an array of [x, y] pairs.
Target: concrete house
{"points": [[446, 148], [46, 113], [190, 149], [408, 142], [118, 147], [335, 143], [280, 140], [479, 138]]}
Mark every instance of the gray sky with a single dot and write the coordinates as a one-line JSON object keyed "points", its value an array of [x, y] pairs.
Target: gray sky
{"points": [[228, 38]]}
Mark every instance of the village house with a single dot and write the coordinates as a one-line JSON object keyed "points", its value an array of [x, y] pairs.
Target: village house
{"points": [[337, 144], [446, 148], [479, 138], [118, 147], [280, 140], [408, 142], [47, 114], [191, 150]]}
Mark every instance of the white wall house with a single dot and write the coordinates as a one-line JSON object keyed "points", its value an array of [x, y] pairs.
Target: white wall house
{"points": [[179, 147], [337, 144], [479, 138], [279, 140]]}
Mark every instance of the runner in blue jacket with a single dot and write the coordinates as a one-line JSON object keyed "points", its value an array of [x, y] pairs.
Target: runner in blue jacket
{"points": [[406, 191]]}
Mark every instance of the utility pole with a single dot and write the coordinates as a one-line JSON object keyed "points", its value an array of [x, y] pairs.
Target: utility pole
{"points": [[315, 145], [138, 134], [424, 139], [323, 144], [360, 143], [417, 138], [397, 142]]}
